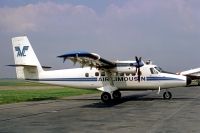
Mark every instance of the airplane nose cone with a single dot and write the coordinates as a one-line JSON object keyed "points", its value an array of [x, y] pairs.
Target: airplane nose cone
{"points": [[188, 81]]}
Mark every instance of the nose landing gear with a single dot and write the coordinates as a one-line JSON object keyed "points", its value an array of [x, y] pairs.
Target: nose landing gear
{"points": [[167, 95]]}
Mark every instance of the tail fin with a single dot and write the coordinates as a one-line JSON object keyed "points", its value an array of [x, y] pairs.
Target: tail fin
{"points": [[26, 62]]}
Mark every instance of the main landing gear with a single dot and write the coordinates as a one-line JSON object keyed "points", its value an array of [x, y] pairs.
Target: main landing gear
{"points": [[116, 95], [167, 95], [106, 97]]}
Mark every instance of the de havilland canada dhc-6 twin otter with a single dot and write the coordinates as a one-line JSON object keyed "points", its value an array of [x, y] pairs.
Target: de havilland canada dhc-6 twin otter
{"points": [[110, 77]]}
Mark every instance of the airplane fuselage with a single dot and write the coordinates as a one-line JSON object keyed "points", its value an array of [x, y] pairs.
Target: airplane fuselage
{"points": [[94, 78]]}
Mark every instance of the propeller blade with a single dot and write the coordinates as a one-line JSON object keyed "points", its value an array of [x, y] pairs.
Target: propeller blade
{"points": [[139, 64], [139, 74], [137, 60], [140, 59]]}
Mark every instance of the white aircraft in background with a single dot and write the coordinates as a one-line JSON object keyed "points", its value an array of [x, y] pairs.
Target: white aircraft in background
{"points": [[110, 77], [194, 74]]}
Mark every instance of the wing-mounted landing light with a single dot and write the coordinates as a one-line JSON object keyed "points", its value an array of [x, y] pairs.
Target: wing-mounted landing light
{"points": [[139, 64]]}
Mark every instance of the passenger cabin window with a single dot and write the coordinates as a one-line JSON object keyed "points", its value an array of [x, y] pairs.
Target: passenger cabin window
{"points": [[96, 74], [103, 74], [121, 74], [153, 71], [133, 74], [114, 74], [86, 74], [128, 74]]}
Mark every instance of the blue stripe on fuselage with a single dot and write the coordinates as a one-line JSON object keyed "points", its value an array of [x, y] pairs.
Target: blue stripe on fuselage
{"points": [[96, 79], [66, 79], [161, 78]]}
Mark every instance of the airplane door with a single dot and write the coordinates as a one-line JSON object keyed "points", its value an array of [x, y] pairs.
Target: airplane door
{"points": [[154, 78]]}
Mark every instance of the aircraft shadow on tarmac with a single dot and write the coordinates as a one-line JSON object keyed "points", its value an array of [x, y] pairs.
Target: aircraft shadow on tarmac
{"points": [[131, 98]]}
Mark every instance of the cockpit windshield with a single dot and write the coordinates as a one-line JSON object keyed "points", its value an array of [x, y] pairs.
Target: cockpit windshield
{"points": [[158, 69], [162, 71], [153, 71]]}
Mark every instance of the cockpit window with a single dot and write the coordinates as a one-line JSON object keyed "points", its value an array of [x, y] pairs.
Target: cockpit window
{"points": [[158, 69], [162, 71], [153, 71]]}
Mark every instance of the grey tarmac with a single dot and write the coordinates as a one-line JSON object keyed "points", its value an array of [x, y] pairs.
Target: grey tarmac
{"points": [[135, 113]]}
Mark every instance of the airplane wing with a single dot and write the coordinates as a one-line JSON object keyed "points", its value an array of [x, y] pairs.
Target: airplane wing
{"points": [[22, 65], [88, 59]]}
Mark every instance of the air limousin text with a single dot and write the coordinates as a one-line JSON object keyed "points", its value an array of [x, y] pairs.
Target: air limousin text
{"points": [[121, 79]]}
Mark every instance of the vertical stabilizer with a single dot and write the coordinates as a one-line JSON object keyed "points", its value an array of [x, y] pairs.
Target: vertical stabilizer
{"points": [[26, 62]]}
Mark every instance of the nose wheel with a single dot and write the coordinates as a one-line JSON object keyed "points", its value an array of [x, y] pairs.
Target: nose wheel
{"points": [[167, 95]]}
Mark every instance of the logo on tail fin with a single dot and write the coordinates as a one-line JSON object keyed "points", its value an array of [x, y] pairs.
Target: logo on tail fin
{"points": [[21, 52]]}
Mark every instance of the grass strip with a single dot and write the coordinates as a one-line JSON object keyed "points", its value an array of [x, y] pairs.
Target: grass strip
{"points": [[21, 91], [14, 96], [19, 83]]}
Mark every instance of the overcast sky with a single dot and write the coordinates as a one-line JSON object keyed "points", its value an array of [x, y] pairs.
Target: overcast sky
{"points": [[165, 31]]}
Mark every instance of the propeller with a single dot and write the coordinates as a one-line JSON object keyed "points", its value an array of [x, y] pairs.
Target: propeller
{"points": [[138, 65]]}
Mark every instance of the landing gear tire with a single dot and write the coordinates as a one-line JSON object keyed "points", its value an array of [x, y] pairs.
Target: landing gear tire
{"points": [[167, 95], [106, 97], [116, 95]]}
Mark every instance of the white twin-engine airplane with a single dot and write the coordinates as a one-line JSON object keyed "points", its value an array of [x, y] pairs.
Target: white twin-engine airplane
{"points": [[110, 77]]}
